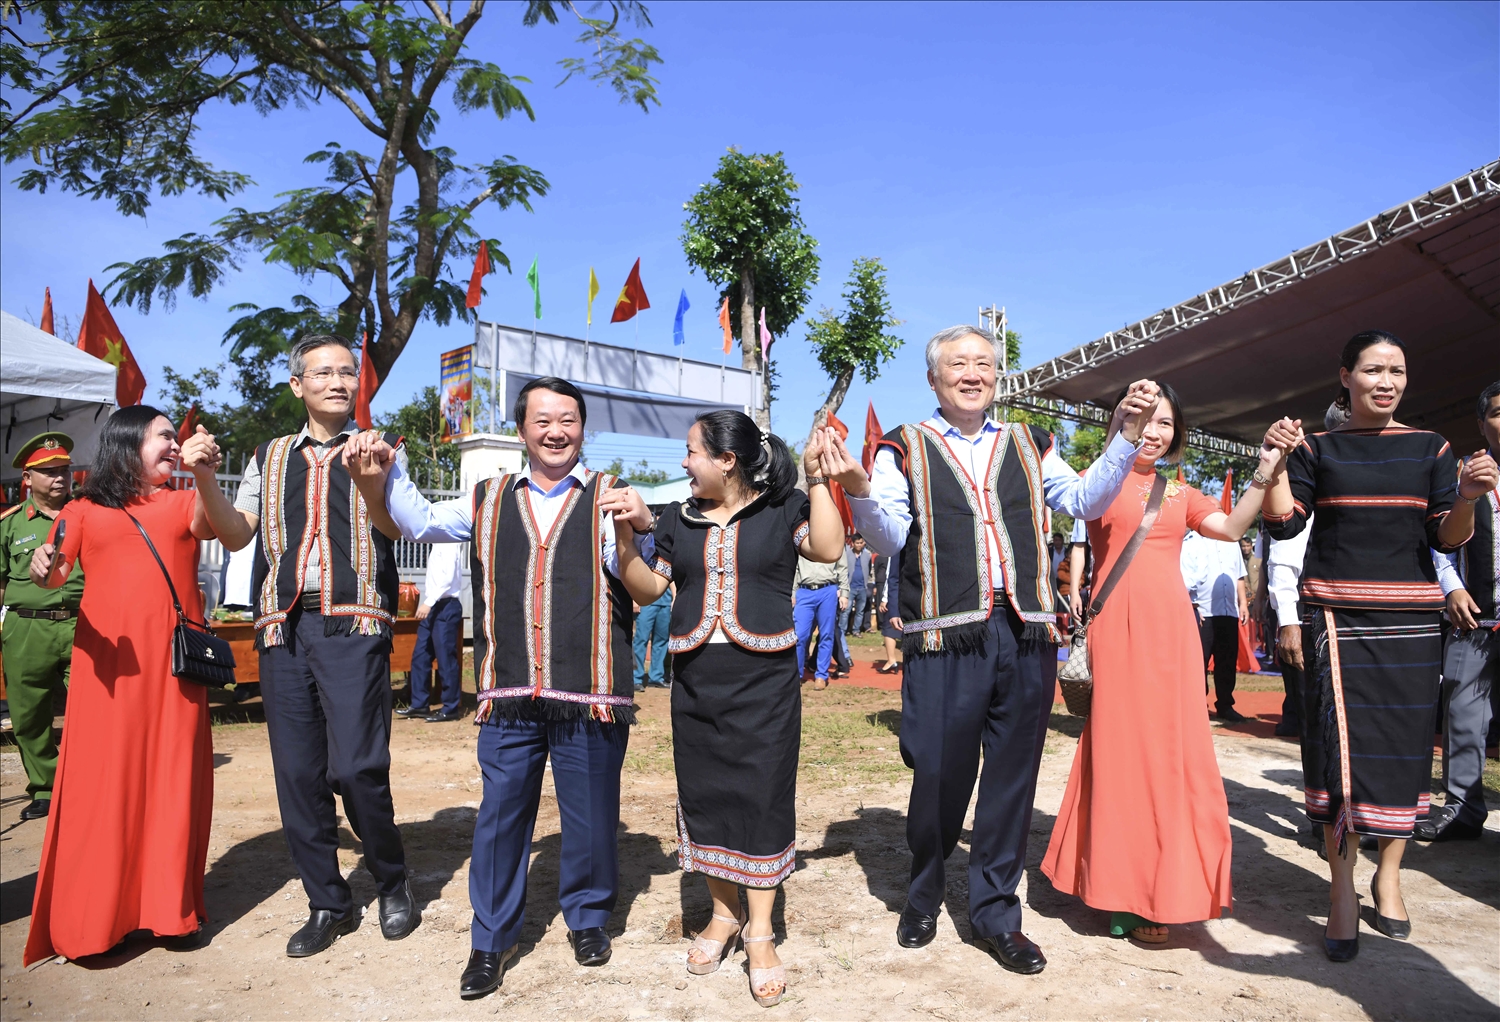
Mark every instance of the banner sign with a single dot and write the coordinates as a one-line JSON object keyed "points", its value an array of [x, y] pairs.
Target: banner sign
{"points": [[456, 392]]}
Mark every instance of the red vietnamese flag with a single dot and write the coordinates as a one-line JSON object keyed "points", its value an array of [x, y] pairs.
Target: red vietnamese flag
{"points": [[840, 500], [1226, 499], [481, 267], [872, 440], [369, 383], [632, 296], [100, 337], [47, 327]]}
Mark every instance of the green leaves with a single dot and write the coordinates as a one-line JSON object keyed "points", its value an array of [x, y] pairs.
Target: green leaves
{"points": [[481, 85], [857, 341], [195, 260], [743, 214]]}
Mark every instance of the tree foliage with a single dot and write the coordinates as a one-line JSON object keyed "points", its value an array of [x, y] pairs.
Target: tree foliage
{"points": [[856, 340], [745, 233], [106, 97], [641, 472], [420, 422]]}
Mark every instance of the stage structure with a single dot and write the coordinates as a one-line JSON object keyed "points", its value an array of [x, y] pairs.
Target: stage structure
{"points": [[643, 393], [1267, 343]]}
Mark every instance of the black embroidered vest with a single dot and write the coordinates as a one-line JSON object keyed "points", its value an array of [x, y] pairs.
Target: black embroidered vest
{"points": [[552, 627], [946, 589], [307, 497], [1477, 558]]}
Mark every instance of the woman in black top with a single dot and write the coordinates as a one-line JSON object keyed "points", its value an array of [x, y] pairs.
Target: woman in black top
{"points": [[1384, 494], [736, 696]]}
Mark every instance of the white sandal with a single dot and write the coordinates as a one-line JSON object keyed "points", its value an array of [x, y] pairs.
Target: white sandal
{"points": [[762, 977], [714, 950]]}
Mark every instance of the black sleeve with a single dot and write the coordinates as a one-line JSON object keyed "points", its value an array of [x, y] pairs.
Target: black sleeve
{"points": [[1302, 473], [665, 537], [1442, 491]]}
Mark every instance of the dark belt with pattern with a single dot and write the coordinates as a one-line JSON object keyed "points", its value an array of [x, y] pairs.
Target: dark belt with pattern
{"points": [[816, 585], [45, 615]]}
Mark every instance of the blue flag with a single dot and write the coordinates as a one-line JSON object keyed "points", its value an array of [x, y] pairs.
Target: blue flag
{"points": [[682, 307]]}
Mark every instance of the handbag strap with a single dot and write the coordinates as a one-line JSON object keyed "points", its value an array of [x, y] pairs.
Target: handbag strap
{"points": [[1153, 508], [164, 573]]}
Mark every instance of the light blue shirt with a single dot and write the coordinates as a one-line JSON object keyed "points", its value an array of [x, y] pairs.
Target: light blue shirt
{"points": [[884, 517], [452, 521], [1210, 568]]}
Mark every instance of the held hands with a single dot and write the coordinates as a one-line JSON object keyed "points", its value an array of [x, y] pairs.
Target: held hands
{"points": [[1463, 611], [1280, 440], [368, 458], [1135, 408], [1479, 476], [628, 507], [200, 454], [827, 456]]}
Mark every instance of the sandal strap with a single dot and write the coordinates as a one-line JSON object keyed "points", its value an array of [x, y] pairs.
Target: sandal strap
{"points": [[736, 920], [760, 977], [757, 940], [711, 948]]}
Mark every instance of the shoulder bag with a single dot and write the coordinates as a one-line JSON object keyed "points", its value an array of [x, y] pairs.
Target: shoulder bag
{"points": [[1076, 677], [198, 655]]}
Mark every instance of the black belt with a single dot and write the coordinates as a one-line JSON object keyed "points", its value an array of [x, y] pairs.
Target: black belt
{"points": [[312, 601], [45, 615], [817, 585]]}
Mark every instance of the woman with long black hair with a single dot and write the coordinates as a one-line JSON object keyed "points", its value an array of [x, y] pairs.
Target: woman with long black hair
{"points": [[1384, 494], [127, 838], [732, 552]]}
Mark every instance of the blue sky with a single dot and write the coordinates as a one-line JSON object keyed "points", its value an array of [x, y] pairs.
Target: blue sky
{"points": [[1082, 165]]}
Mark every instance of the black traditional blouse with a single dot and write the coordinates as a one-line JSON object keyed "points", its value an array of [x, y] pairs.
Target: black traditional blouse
{"points": [[739, 575], [1380, 496]]}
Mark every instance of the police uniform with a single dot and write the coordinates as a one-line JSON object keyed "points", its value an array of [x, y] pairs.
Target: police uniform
{"points": [[37, 638]]}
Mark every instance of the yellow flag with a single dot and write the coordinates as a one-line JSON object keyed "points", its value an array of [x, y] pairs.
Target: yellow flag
{"points": [[593, 293]]}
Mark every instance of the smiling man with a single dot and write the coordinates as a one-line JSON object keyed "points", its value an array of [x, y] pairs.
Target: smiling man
{"points": [[963, 496], [552, 662], [325, 587]]}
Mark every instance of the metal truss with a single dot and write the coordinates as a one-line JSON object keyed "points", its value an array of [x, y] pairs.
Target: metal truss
{"points": [[1476, 187], [1092, 415]]}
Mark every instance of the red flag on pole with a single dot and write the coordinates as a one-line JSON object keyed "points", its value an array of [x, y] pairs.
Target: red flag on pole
{"points": [[724, 322], [1226, 499], [189, 424], [100, 337], [47, 327], [872, 440], [481, 267], [840, 500], [369, 383], [632, 296]]}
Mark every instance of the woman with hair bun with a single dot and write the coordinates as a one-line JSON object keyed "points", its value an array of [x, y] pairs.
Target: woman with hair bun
{"points": [[1384, 494], [731, 550]]}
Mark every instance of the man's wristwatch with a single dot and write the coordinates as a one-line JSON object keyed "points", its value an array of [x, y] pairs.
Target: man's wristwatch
{"points": [[648, 529], [1260, 478]]}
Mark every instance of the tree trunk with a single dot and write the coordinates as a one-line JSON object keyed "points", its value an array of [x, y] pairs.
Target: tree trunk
{"points": [[830, 406], [750, 356]]}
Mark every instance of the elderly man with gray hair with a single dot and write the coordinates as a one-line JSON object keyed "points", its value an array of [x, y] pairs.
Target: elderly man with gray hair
{"points": [[965, 497]]}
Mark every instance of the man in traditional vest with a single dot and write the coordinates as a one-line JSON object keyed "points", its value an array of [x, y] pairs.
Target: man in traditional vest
{"points": [[1471, 658], [325, 589], [963, 498], [553, 664]]}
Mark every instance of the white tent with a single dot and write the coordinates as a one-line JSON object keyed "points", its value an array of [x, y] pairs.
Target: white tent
{"points": [[47, 384]]}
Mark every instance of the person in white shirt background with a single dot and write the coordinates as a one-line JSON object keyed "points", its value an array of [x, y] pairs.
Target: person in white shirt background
{"points": [[440, 628], [1283, 569], [1214, 571]]}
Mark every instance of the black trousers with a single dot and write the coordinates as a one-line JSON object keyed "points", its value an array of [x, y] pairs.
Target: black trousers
{"points": [[328, 715], [1221, 639], [1291, 704], [953, 705]]}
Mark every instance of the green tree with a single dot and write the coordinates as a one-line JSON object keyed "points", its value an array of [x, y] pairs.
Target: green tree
{"points": [[744, 231], [420, 422], [642, 472], [856, 340], [106, 99]]}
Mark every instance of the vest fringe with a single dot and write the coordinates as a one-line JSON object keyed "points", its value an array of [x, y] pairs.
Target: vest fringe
{"points": [[270, 635], [543, 709], [965, 639]]}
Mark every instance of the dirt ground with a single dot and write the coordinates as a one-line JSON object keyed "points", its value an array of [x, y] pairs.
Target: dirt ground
{"points": [[837, 914]]}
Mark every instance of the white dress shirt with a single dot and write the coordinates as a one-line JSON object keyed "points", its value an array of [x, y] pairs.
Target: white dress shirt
{"points": [[452, 521], [884, 517], [1447, 571], [1221, 565], [445, 573], [1283, 569]]}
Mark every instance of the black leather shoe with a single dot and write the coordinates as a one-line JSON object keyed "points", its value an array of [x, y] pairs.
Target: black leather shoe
{"points": [[485, 972], [320, 931], [187, 941], [413, 712], [1442, 824], [36, 809], [915, 929], [1340, 950], [590, 946], [1231, 716], [399, 914], [1016, 952], [1396, 929], [444, 718]]}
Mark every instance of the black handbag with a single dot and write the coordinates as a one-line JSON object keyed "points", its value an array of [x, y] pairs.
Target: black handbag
{"points": [[198, 655]]}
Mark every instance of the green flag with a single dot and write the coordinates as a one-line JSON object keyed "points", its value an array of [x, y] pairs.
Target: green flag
{"points": [[534, 279]]}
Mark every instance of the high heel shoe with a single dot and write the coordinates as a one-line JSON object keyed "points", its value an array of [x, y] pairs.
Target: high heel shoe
{"points": [[1342, 950], [761, 977], [714, 950], [1396, 929]]}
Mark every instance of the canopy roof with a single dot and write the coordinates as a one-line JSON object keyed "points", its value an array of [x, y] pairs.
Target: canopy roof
{"points": [[1267, 344], [47, 384]]}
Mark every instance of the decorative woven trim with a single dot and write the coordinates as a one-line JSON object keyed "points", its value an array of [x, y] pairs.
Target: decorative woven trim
{"points": [[1386, 501], [729, 602], [712, 586], [1344, 823], [603, 650], [562, 695], [1319, 589], [801, 534], [759, 871], [1031, 464], [273, 533], [484, 540], [662, 567], [921, 509]]}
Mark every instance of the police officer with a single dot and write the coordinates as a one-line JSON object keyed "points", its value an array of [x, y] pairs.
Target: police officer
{"points": [[37, 638]]}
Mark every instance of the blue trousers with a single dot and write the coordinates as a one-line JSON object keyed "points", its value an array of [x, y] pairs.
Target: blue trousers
{"points": [[857, 617], [651, 627], [953, 705], [586, 761], [820, 607], [438, 636]]}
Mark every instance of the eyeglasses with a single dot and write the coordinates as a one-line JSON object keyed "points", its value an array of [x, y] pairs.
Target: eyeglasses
{"points": [[323, 376]]}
